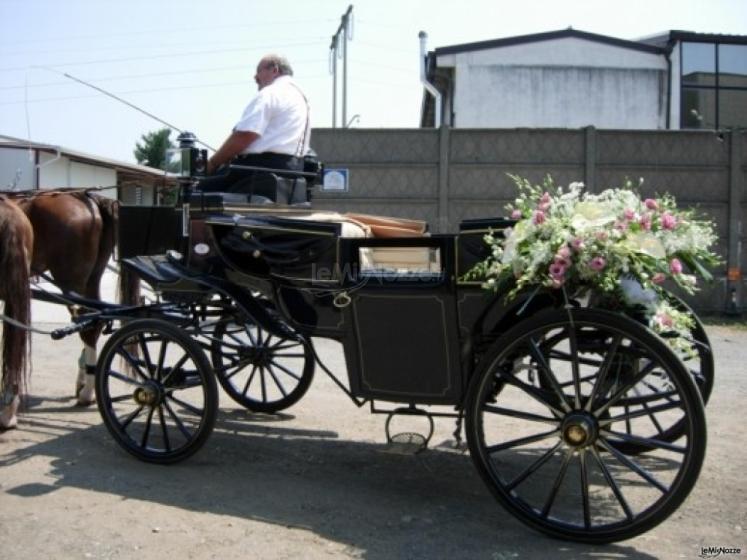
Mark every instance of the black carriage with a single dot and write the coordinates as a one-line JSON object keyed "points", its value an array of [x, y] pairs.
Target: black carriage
{"points": [[580, 420]]}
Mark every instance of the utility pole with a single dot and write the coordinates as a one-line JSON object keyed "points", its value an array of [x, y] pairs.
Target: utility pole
{"points": [[339, 49]]}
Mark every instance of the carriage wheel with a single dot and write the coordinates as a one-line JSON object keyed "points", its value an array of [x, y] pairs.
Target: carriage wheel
{"points": [[260, 371], [155, 391], [554, 457]]}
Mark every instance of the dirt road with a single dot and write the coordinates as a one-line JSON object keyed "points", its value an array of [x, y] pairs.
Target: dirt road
{"points": [[313, 483]]}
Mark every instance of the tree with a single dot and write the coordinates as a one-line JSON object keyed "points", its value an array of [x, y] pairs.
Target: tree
{"points": [[152, 150]]}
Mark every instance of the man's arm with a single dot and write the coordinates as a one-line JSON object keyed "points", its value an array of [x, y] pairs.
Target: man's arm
{"points": [[234, 144]]}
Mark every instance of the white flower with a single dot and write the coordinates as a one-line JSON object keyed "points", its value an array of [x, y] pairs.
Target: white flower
{"points": [[647, 244]]}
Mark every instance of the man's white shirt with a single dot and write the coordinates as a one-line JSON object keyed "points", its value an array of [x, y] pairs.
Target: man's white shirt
{"points": [[279, 115]]}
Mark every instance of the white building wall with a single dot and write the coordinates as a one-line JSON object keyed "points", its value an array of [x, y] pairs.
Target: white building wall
{"points": [[520, 96], [567, 82], [56, 173], [674, 108], [17, 169]]}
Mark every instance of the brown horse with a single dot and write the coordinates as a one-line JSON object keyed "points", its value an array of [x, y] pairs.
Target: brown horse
{"points": [[16, 244], [74, 237]]}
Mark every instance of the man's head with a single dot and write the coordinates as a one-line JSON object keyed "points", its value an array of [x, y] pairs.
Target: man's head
{"points": [[270, 67]]}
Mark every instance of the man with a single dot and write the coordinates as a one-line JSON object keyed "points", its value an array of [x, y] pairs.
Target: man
{"points": [[273, 131]]}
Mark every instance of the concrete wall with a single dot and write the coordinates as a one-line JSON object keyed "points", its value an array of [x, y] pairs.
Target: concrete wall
{"points": [[447, 175]]}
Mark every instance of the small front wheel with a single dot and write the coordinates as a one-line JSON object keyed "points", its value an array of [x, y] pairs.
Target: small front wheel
{"points": [[578, 387], [156, 392]]}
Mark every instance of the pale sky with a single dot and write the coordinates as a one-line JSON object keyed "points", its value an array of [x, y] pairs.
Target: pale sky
{"points": [[192, 62]]}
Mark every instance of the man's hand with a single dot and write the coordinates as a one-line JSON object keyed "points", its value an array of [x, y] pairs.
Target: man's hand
{"points": [[233, 146]]}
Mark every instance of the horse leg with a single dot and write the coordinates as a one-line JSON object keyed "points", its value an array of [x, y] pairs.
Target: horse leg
{"points": [[84, 386]]}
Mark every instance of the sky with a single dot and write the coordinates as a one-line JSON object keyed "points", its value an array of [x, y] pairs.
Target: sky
{"points": [[191, 63]]}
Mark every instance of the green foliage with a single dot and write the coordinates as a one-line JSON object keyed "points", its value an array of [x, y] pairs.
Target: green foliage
{"points": [[151, 150]]}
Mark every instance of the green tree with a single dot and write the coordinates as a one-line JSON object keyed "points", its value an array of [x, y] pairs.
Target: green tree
{"points": [[151, 150]]}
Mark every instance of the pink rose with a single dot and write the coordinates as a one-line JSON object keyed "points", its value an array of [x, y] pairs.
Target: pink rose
{"points": [[664, 320], [658, 278], [675, 266], [544, 206], [539, 217], [629, 214], [578, 244], [602, 235], [557, 270], [645, 222], [516, 215], [563, 253], [597, 263], [668, 221], [651, 204], [545, 197]]}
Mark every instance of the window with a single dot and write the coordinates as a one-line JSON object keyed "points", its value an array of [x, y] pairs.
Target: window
{"points": [[714, 85]]}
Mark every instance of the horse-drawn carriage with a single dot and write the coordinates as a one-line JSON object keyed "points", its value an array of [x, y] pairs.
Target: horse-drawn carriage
{"points": [[581, 421]]}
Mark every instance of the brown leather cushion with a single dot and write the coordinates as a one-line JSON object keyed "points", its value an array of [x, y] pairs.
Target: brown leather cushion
{"points": [[382, 226]]}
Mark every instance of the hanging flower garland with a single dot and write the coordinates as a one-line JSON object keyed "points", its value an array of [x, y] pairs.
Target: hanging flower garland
{"points": [[613, 243]]}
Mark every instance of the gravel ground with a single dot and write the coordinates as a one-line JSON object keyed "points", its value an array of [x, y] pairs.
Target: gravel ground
{"points": [[315, 482]]}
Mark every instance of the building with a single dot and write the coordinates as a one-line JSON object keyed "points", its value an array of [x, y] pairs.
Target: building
{"points": [[26, 165], [573, 79]]}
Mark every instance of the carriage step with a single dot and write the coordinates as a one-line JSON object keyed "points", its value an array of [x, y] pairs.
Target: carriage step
{"points": [[408, 442]]}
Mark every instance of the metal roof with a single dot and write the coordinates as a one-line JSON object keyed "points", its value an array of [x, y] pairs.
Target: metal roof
{"points": [[548, 36], [82, 157]]}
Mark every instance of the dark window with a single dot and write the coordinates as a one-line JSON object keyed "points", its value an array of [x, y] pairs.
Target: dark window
{"points": [[698, 108], [732, 106], [699, 64], [714, 85]]}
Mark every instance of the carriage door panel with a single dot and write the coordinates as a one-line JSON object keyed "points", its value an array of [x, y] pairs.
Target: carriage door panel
{"points": [[403, 346]]}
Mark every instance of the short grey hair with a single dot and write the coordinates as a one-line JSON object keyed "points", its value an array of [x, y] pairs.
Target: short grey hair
{"points": [[280, 62]]}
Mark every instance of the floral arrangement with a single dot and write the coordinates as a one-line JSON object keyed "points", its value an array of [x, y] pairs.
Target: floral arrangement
{"points": [[613, 243]]}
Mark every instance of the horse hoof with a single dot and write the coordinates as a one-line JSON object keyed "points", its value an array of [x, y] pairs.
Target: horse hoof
{"points": [[8, 417]]}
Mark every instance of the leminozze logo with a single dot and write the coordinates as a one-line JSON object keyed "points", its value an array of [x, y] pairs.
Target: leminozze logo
{"points": [[714, 551]]}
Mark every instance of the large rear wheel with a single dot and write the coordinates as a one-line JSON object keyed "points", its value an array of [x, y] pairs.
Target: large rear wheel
{"points": [[577, 387]]}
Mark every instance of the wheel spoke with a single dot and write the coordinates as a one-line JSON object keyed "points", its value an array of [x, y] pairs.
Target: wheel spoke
{"points": [[249, 381], [521, 441], [640, 471], [146, 431], [286, 370], [121, 398], [649, 413], [277, 381], [603, 371], [190, 407], [585, 489], [625, 388], [134, 362], [574, 366], [519, 414], [146, 354], [176, 367], [531, 469], [182, 428], [544, 368], [165, 432], [130, 417], [556, 485], [646, 442], [612, 484], [638, 413], [536, 394], [161, 359], [123, 378]]}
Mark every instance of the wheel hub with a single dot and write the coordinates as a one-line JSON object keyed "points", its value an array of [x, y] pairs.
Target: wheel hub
{"points": [[147, 395], [579, 429], [257, 356]]}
